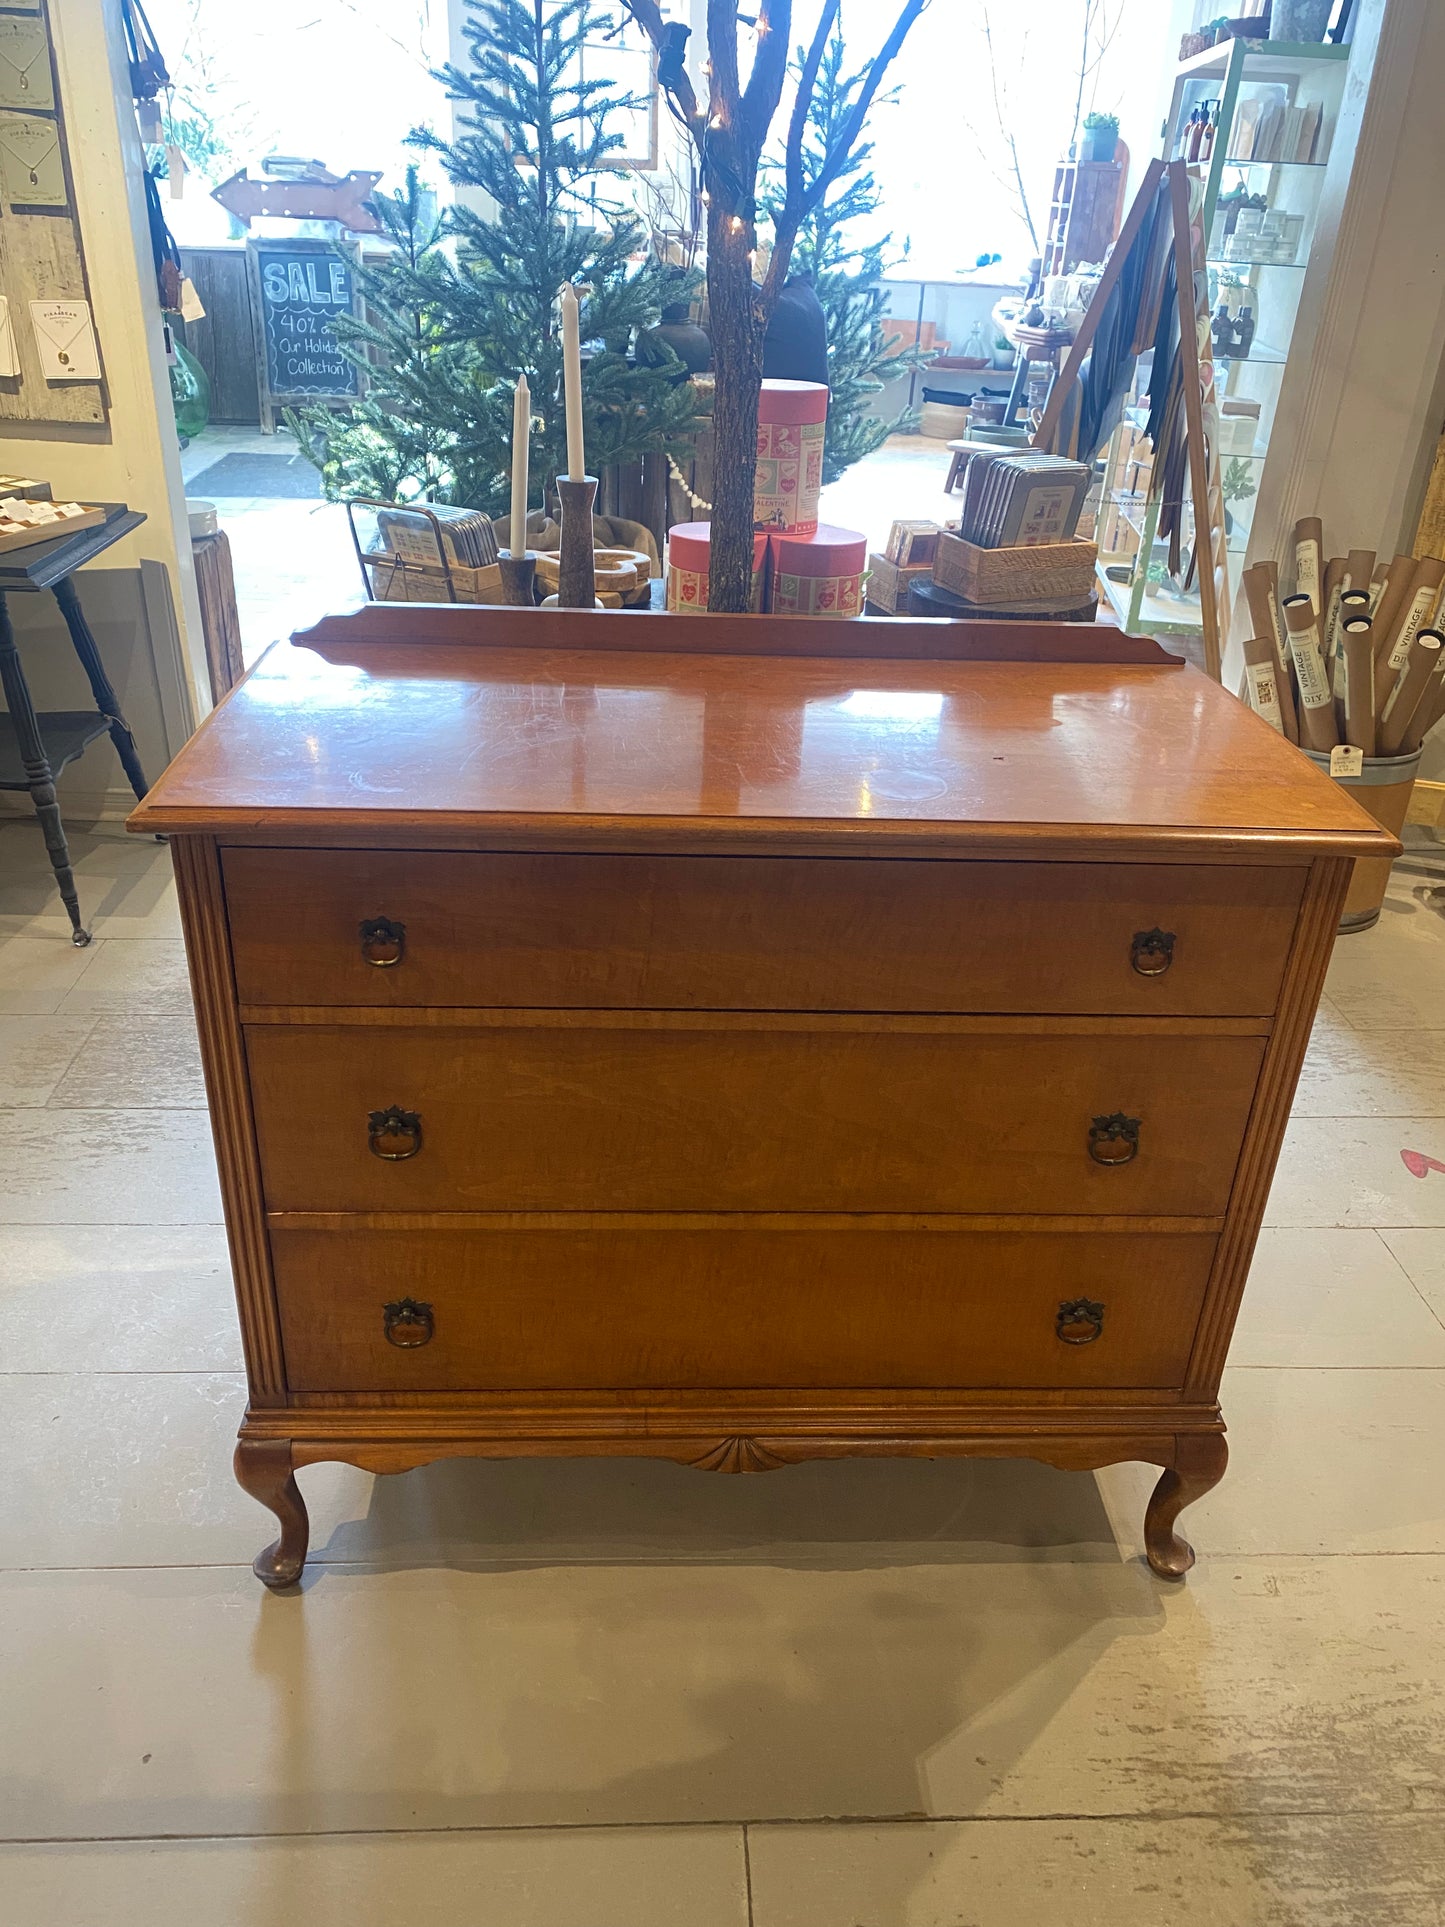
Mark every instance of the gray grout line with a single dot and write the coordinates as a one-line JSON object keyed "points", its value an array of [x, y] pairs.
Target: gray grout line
{"points": [[1162, 1817], [482, 1567], [1400, 1265]]}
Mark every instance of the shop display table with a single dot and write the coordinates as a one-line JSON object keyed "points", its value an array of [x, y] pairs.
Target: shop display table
{"points": [[744, 1040], [34, 749]]}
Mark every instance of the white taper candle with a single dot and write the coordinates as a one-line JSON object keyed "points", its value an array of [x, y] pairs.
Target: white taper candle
{"points": [[572, 384], [521, 431]]}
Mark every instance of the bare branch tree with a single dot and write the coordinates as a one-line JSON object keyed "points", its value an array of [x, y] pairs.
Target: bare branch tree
{"points": [[729, 135], [1006, 133]]}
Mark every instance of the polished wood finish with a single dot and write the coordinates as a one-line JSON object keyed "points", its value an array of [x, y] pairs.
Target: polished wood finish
{"points": [[589, 1306], [738, 1114], [735, 1057], [399, 744], [741, 933]]}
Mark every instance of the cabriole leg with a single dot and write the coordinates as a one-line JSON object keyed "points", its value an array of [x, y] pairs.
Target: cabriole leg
{"points": [[1199, 1462], [263, 1468]]}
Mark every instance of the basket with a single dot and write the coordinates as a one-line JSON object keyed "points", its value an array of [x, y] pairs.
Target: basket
{"points": [[942, 421], [1047, 572]]}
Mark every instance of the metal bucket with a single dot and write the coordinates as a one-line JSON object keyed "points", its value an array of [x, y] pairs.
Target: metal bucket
{"points": [[1383, 788]]}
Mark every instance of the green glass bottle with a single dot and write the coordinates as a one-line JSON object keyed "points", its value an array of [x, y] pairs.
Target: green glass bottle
{"points": [[190, 394]]}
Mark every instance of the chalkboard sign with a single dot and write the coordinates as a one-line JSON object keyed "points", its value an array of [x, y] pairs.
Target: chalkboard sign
{"points": [[297, 290]]}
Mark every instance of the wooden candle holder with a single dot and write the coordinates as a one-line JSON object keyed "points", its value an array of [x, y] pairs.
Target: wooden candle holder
{"points": [[519, 578], [576, 582]]}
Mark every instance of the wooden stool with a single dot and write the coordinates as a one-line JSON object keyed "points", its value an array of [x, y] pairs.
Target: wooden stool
{"points": [[960, 452]]}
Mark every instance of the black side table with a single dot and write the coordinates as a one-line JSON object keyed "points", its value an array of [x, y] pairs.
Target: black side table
{"points": [[34, 749]]}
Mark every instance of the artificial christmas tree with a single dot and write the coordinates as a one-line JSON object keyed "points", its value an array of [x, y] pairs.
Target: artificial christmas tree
{"points": [[846, 274], [467, 303]]}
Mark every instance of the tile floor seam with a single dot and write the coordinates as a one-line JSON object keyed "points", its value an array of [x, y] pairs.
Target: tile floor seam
{"points": [[492, 1568], [1169, 1816], [1396, 1260]]}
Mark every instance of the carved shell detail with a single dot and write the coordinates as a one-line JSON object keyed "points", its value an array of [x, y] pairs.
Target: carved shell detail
{"points": [[738, 1455]]}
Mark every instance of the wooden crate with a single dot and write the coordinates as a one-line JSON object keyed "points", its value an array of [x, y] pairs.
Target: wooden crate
{"points": [[1048, 571], [886, 585]]}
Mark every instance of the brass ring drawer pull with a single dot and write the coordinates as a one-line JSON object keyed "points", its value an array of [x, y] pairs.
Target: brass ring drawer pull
{"points": [[393, 1134], [383, 942], [1080, 1321], [1152, 952], [1114, 1139], [408, 1323]]}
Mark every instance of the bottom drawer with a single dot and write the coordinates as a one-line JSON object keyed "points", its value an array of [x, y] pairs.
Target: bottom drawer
{"points": [[735, 1304]]}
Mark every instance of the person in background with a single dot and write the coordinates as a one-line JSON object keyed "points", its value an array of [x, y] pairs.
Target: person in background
{"points": [[795, 347]]}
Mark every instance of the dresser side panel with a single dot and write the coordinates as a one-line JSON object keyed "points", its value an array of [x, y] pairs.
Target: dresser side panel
{"points": [[1289, 1040], [228, 1093]]}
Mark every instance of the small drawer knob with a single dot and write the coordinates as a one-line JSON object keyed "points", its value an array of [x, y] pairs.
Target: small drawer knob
{"points": [[1080, 1321], [393, 1134], [1114, 1139], [383, 942], [1152, 952], [408, 1323]]}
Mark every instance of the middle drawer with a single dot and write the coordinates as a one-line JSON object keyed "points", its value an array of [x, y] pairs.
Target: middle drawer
{"points": [[675, 1113]]}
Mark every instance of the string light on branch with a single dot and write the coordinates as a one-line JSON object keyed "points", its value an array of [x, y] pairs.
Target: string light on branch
{"points": [[736, 224]]}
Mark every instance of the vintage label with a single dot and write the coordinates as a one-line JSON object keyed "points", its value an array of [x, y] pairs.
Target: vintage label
{"points": [[687, 591], [1346, 760], [1420, 607], [1264, 693], [1307, 571], [817, 595], [790, 476], [1314, 688]]}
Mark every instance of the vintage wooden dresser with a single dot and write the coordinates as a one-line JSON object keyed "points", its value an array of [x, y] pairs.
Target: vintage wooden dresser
{"points": [[744, 1042]]}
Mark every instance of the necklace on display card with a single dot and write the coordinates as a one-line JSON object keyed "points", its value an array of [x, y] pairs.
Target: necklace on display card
{"points": [[65, 337], [32, 168], [24, 64]]}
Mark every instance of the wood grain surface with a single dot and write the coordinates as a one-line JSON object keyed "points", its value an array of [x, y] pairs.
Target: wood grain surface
{"points": [[1046, 758], [789, 1306], [728, 1115], [737, 933]]}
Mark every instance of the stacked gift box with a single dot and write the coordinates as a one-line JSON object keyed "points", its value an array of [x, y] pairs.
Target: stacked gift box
{"points": [[800, 566]]}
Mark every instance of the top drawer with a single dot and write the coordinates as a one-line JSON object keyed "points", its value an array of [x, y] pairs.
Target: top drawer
{"points": [[757, 933]]}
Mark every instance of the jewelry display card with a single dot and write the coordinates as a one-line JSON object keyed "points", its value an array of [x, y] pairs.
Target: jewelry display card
{"points": [[65, 336], [24, 64], [32, 169], [9, 352]]}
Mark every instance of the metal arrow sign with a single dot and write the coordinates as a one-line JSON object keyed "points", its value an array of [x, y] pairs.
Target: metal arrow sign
{"points": [[337, 200]]}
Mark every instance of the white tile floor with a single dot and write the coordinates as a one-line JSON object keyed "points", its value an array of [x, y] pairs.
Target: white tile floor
{"points": [[572, 1695]]}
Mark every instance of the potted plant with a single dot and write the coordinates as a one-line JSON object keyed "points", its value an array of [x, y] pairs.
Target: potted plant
{"points": [[1237, 485], [1101, 136]]}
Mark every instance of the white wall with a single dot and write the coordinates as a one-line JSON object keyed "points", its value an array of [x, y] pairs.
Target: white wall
{"points": [[158, 665]]}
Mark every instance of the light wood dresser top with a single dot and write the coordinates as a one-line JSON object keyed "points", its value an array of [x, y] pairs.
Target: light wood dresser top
{"points": [[381, 739]]}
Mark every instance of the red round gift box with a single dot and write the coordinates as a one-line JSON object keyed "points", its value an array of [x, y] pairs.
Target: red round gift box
{"points": [[689, 548], [819, 574]]}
